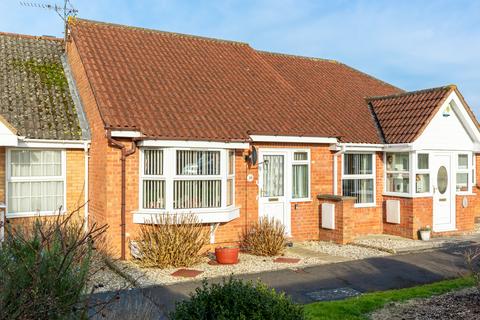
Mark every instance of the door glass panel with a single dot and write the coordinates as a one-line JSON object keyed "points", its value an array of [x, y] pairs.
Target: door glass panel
{"points": [[273, 175], [442, 179]]}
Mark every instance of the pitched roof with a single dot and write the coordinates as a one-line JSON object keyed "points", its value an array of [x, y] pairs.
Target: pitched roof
{"points": [[174, 86], [403, 117], [34, 93]]}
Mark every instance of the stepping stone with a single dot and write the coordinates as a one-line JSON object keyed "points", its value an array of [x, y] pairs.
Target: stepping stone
{"points": [[287, 260], [213, 263], [186, 273]]}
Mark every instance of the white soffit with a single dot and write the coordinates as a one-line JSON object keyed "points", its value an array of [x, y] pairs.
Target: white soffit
{"points": [[292, 139]]}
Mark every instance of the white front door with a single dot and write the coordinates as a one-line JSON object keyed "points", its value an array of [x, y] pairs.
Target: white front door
{"points": [[273, 198], [443, 194]]}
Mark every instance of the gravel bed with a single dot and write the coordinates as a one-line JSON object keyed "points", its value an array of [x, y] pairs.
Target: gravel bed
{"points": [[247, 264], [395, 243], [460, 305], [102, 278], [347, 251]]}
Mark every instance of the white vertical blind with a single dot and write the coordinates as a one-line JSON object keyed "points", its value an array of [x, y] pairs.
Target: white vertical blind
{"points": [[191, 194], [153, 185], [300, 181], [193, 162], [358, 179]]}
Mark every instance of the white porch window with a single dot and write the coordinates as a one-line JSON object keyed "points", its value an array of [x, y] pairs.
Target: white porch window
{"points": [[300, 175], [36, 181], [358, 178], [186, 179], [422, 177], [397, 172], [463, 169]]}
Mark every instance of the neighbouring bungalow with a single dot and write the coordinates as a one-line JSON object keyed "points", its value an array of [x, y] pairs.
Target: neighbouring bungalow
{"points": [[43, 140], [187, 124]]}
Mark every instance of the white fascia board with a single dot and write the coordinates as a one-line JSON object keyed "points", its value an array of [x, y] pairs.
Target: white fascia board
{"points": [[52, 144], [8, 138], [126, 134], [292, 139], [194, 144], [400, 147], [359, 147]]}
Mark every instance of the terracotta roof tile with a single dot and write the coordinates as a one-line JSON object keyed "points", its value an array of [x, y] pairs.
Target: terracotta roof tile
{"points": [[173, 86], [402, 117]]}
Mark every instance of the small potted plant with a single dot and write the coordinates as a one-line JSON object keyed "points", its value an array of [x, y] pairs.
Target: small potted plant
{"points": [[425, 233], [226, 255]]}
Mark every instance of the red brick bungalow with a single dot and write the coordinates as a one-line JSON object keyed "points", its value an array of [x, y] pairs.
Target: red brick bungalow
{"points": [[187, 124]]}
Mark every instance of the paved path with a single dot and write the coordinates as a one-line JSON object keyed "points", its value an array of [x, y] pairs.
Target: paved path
{"points": [[366, 275]]}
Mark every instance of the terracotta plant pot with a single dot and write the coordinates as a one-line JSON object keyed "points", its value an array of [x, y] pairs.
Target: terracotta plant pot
{"points": [[226, 255]]}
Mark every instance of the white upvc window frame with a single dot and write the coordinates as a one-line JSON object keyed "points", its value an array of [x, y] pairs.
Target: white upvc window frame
{"points": [[170, 175], [301, 162], [230, 176], [371, 176], [470, 171], [62, 178], [416, 170], [411, 174]]}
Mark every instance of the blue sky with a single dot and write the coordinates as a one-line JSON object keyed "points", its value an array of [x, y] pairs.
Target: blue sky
{"points": [[411, 44]]}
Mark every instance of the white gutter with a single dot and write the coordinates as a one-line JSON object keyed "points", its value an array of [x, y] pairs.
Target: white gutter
{"points": [[47, 143], [335, 168], [292, 139], [85, 189], [193, 144]]}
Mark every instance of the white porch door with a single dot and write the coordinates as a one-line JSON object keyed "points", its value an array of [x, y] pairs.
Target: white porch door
{"points": [[443, 194], [273, 200]]}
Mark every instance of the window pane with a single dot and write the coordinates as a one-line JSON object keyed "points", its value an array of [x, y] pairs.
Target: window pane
{"points": [[192, 194], [231, 162], [300, 156], [154, 194], [362, 189], [230, 192], [462, 181], [397, 161], [398, 182], [300, 181], [357, 164], [422, 161], [462, 161], [198, 162], [423, 183], [273, 176], [153, 162], [36, 163], [35, 196]]}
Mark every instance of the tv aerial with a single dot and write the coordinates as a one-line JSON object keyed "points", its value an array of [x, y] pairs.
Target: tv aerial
{"points": [[64, 11]]}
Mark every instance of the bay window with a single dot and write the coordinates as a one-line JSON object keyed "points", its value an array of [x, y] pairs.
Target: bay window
{"points": [[186, 179], [398, 172], [358, 178], [300, 175], [35, 181]]}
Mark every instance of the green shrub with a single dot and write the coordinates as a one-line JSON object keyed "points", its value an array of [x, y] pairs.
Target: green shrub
{"points": [[265, 238], [234, 299], [44, 269]]}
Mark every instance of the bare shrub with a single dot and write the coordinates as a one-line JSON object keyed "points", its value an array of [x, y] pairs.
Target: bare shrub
{"points": [[265, 238], [172, 241], [44, 268], [472, 258]]}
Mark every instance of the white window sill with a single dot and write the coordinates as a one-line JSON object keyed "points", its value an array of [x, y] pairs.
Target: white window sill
{"points": [[33, 214], [466, 193], [364, 205], [397, 194], [214, 215], [301, 200]]}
